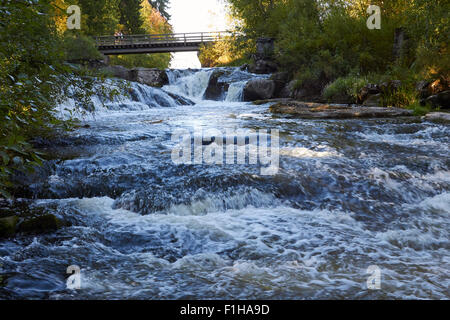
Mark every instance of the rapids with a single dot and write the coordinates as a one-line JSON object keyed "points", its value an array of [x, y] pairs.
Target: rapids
{"points": [[349, 194]]}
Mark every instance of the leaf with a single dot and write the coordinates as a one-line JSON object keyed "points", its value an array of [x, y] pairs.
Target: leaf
{"points": [[5, 157], [5, 194]]}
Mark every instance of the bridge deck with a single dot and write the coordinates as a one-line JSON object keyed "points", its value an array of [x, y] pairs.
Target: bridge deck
{"points": [[178, 42]]}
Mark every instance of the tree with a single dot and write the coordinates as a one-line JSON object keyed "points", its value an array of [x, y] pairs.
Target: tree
{"points": [[162, 6], [100, 17], [130, 16], [153, 23]]}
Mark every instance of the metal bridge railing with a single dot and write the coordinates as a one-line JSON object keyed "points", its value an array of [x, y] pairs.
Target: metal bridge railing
{"points": [[174, 38]]}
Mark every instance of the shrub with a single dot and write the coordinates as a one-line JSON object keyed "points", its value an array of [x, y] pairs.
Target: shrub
{"points": [[79, 47], [348, 87]]}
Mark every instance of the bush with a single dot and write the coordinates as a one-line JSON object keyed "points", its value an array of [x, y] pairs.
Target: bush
{"points": [[404, 97], [158, 60], [345, 87], [79, 47]]}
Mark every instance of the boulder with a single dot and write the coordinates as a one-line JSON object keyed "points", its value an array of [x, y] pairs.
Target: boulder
{"points": [[118, 72], [180, 100], [441, 100], [259, 89], [216, 88], [390, 86], [309, 110], [244, 67], [41, 224], [373, 101], [8, 226], [424, 89], [288, 90], [438, 116], [281, 79], [366, 91], [150, 77], [263, 67]]}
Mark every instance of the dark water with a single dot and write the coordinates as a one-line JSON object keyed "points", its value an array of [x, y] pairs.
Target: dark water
{"points": [[348, 195]]}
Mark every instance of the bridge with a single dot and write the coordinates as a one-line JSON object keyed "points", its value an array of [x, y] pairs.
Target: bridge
{"points": [[157, 43]]}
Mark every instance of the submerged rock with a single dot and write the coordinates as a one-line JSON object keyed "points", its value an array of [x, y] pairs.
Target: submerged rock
{"points": [[309, 110], [8, 226], [259, 89], [41, 224]]}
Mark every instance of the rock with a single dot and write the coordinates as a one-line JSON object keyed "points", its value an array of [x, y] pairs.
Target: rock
{"points": [[216, 89], [41, 224], [259, 89], [118, 72], [263, 67], [373, 101], [438, 116], [150, 77], [309, 110], [265, 48], [8, 226], [423, 88], [366, 91], [391, 86], [182, 101], [441, 99], [341, 97], [281, 79], [244, 67], [311, 88], [289, 90]]}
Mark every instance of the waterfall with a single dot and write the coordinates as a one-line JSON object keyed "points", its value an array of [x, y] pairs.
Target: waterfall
{"points": [[189, 83], [235, 91], [183, 86], [131, 96]]}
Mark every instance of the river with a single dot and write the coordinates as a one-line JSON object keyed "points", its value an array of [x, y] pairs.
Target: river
{"points": [[348, 194]]}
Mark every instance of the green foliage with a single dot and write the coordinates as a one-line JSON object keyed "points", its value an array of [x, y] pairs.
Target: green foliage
{"points": [[80, 47], [30, 54], [349, 86], [418, 109], [159, 60], [162, 6], [152, 23], [403, 97], [99, 17], [33, 79], [319, 41], [130, 16]]}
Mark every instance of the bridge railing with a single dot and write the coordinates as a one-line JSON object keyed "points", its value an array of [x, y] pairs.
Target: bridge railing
{"points": [[174, 38]]}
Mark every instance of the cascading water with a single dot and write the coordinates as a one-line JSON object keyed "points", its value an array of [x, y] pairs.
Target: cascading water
{"points": [[348, 195], [235, 91]]}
